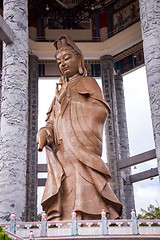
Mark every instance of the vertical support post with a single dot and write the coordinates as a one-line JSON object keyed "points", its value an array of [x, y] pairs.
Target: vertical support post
{"points": [[32, 151], [112, 136], [124, 143], [0, 95], [74, 224], [31, 235], [44, 224], [12, 228], [150, 27], [14, 111], [104, 223], [134, 223], [111, 127]]}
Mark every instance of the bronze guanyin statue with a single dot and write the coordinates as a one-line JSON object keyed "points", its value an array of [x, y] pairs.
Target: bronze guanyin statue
{"points": [[77, 177]]}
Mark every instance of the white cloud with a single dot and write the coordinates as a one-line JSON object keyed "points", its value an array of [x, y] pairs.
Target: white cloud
{"points": [[140, 135], [147, 192], [138, 112]]}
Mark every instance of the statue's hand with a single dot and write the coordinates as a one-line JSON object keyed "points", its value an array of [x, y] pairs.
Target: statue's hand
{"points": [[44, 137]]}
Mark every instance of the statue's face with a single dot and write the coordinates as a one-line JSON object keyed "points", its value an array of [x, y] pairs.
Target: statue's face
{"points": [[68, 63]]}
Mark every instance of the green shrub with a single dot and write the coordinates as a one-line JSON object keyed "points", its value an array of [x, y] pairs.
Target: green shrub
{"points": [[3, 235], [152, 212]]}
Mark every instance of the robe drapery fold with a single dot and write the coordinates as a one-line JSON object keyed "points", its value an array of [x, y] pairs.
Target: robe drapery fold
{"points": [[77, 178]]}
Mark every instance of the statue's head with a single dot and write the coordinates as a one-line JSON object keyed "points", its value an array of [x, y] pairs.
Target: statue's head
{"points": [[69, 57]]}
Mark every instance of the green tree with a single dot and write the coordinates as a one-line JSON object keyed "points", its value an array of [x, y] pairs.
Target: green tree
{"points": [[3, 235], [152, 212]]}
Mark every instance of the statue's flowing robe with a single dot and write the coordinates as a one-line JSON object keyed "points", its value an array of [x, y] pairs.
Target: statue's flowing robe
{"points": [[77, 177]]}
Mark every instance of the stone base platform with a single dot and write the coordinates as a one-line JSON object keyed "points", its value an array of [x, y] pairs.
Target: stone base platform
{"points": [[120, 237], [85, 229]]}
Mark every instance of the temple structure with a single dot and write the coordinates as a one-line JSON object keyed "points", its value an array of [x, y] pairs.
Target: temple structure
{"points": [[115, 37]]}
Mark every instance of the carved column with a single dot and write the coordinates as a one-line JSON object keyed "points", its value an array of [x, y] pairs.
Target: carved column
{"points": [[0, 79], [32, 156], [111, 127], [150, 26], [14, 111], [124, 143]]}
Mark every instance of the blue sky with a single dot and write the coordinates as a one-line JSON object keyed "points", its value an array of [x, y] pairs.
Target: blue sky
{"points": [[139, 131]]}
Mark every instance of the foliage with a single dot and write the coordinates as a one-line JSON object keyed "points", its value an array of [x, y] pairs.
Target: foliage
{"points": [[152, 212], [3, 235], [39, 217]]}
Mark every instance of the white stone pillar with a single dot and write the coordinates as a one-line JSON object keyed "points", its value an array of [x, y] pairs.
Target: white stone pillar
{"points": [[150, 26], [14, 110]]}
